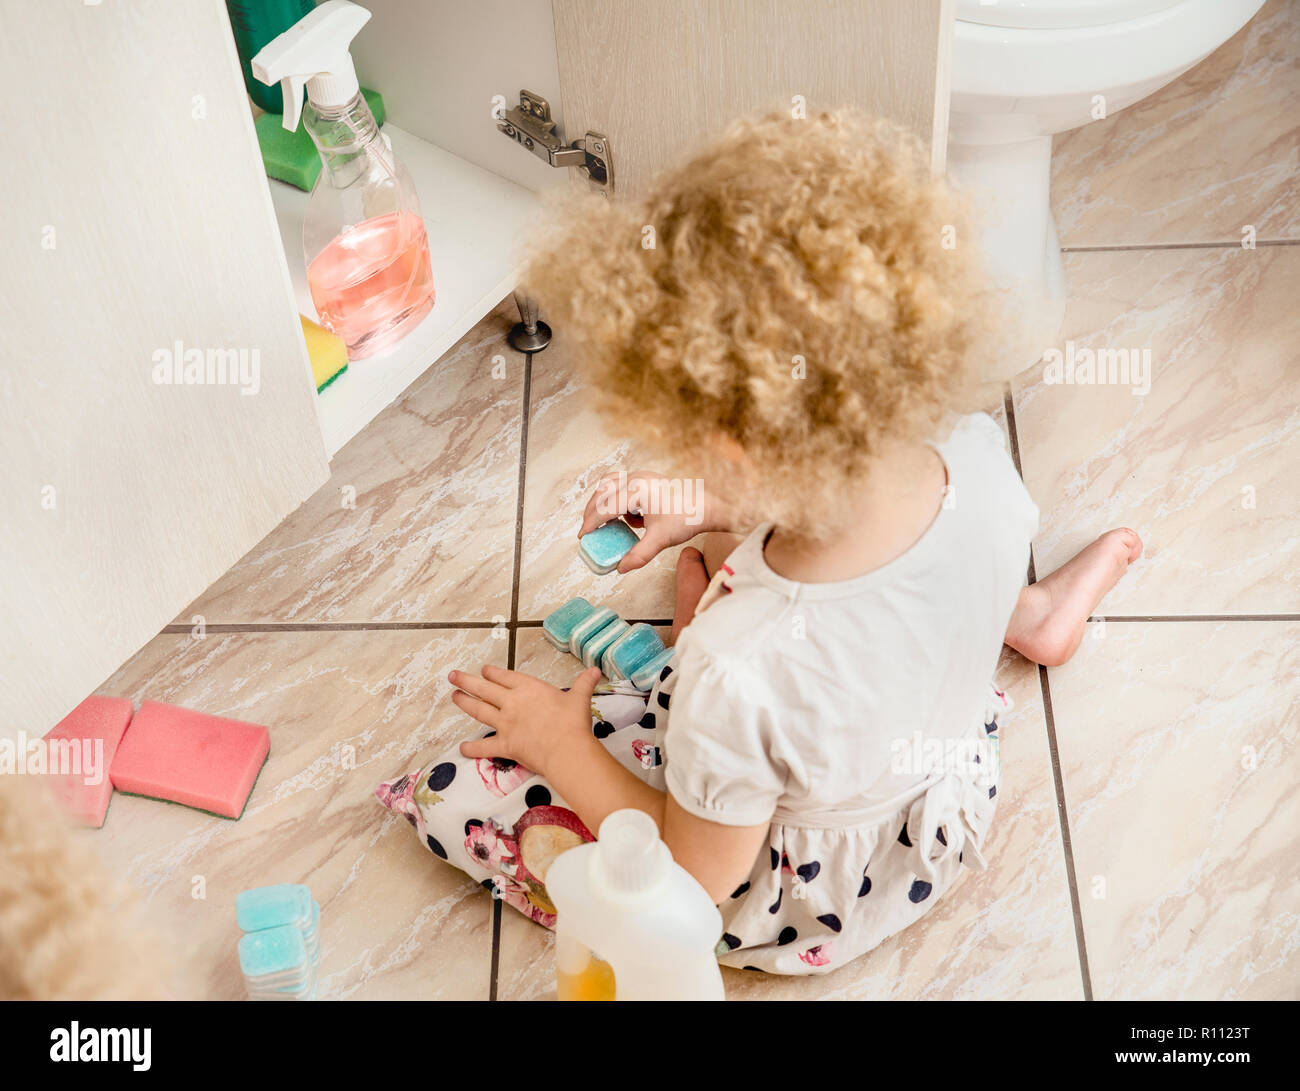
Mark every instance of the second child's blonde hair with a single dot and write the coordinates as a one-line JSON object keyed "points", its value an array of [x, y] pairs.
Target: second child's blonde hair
{"points": [[799, 290]]}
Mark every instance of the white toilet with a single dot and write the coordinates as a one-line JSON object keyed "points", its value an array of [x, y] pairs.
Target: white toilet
{"points": [[1025, 69]]}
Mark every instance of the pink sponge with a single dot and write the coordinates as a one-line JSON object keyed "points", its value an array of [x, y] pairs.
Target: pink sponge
{"points": [[190, 757], [84, 790]]}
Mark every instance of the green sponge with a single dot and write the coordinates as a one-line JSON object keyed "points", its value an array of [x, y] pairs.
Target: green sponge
{"points": [[291, 156]]}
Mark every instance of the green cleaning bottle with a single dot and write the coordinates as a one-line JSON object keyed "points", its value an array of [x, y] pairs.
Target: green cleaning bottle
{"points": [[256, 22]]}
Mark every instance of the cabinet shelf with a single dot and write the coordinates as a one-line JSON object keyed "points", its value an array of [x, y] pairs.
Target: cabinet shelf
{"points": [[476, 223]]}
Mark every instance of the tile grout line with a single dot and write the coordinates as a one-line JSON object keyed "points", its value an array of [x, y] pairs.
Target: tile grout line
{"points": [[1009, 408], [513, 622], [1194, 617], [254, 628], [1049, 721], [1071, 878], [1124, 246], [328, 626], [496, 948], [519, 508], [1013, 438]]}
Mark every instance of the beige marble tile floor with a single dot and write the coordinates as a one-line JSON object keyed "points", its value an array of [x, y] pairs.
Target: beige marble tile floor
{"points": [[1213, 152], [1146, 843]]}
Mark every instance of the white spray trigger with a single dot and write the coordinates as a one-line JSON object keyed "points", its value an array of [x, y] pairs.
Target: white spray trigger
{"points": [[314, 53], [291, 91]]}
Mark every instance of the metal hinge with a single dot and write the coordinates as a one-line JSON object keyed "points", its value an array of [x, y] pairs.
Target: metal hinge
{"points": [[530, 124]]}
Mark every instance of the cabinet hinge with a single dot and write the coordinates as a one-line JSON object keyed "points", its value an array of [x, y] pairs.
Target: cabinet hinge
{"points": [[530, 125]]}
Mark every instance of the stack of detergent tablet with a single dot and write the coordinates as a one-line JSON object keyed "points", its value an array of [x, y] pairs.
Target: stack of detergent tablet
{"points": [[600, 638], [280, 949]]}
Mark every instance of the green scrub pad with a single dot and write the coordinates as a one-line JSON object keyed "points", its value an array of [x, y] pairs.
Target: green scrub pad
{"points": [[291, 156]]}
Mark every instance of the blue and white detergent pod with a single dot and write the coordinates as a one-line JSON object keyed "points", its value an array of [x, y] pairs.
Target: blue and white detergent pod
{"points": [[279, 952], [600, 638], [605, 546]]}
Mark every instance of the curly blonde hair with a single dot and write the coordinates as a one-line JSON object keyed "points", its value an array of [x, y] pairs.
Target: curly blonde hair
{"points": [[69, 929], [791, 290]]}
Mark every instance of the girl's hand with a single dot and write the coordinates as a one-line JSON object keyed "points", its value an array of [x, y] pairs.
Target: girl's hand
{"points": [[534, 721], [616, 492]]}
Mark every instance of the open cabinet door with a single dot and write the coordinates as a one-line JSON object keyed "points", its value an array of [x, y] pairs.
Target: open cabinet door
{"points": [[657, 76], [139, 236]]}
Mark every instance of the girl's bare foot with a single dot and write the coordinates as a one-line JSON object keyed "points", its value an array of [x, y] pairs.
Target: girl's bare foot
{"points": [[692, 582], [1048, 623]]}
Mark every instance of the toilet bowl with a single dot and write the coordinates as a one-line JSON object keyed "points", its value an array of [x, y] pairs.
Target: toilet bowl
{"points": [[1025, 69]]}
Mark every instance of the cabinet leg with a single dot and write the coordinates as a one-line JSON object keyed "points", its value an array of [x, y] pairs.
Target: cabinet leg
{"points": [[530, 334]]}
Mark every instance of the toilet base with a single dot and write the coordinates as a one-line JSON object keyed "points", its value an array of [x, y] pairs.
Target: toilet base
{"points": [[1008, 188]]}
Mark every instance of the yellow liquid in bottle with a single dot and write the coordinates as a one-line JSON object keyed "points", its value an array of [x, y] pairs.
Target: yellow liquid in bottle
{"points": [[595, 982], [581, 975]]}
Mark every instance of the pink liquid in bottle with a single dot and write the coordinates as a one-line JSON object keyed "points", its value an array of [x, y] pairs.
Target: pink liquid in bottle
{"points": [[373, 284]]}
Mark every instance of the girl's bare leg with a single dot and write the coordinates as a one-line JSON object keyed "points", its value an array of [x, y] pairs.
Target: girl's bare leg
{"points": [[1048, 623], [694, 568], [717, 546]]}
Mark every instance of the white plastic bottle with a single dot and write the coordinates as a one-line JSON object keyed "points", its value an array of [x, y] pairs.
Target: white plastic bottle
{"points": [[632, 924]]}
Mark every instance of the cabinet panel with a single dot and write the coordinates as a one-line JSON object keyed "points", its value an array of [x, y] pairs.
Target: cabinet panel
{"points": [[139, 234], [659, 75]]}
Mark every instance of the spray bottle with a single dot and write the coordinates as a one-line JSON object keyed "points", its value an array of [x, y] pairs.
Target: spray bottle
{"points": [[631, 924], [363, 237]]}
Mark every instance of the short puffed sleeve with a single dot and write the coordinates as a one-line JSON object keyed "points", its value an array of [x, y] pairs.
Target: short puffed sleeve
{"points": [[721, 747]]}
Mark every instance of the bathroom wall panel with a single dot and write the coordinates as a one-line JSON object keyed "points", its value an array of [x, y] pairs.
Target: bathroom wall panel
{"points": [[135, 216], [657, 76]]}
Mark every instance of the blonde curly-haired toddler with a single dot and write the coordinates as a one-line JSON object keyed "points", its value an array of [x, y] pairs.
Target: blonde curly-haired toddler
{"points": [[822, 753]]}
